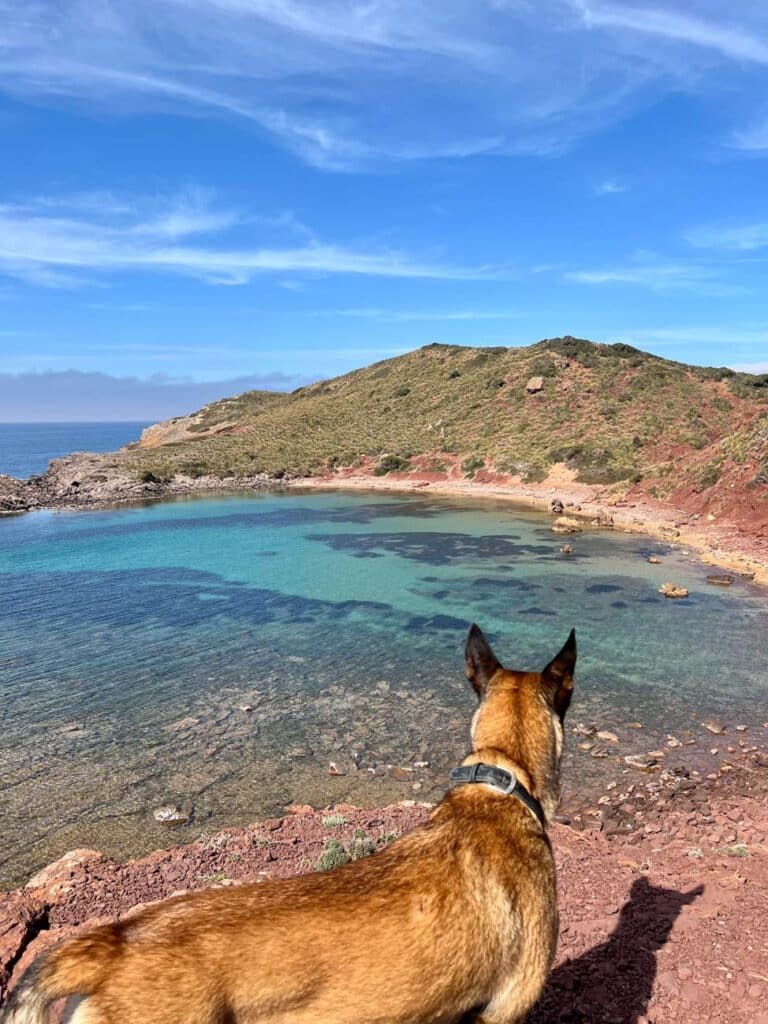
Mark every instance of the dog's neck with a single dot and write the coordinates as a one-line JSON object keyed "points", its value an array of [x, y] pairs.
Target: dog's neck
{"points": [[491, 755]]}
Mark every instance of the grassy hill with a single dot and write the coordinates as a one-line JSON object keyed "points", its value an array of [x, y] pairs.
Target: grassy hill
{"points": [[612, 413]]}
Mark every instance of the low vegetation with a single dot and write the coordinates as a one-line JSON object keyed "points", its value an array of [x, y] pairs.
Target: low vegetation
{"points": [[610, 413]]}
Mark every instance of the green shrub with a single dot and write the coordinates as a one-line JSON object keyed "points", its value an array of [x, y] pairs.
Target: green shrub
{"points": [[709, 474], [392, 464], [471, 465], [334, 820], [401, 392], [361, 846], [333, 856], [542, 367]]}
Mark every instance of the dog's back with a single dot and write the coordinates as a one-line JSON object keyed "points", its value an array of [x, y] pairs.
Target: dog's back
{"points": [[457, 921]]}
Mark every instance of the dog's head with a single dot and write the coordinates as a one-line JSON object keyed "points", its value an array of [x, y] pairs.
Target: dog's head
{"points": [[521, 714]]}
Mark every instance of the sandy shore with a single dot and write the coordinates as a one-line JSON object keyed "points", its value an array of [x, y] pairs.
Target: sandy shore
{"points": [[716, 544]]}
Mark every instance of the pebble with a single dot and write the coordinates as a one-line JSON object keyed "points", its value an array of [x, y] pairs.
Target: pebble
{"points": [[641, 762], [170, 816], [607, 737], [714, 726]]}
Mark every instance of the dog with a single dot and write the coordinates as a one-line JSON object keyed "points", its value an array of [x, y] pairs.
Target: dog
{"points": [[455, 922]]}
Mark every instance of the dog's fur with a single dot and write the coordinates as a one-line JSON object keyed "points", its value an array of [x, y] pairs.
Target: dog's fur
{"points": [[456, 922]]}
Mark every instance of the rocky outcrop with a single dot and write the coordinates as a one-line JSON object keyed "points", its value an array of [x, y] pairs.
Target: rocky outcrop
{"points": [[16, 495], [89, 480]]}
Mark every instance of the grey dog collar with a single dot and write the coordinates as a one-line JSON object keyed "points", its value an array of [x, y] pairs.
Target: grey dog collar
{"points": [[499, 778]]}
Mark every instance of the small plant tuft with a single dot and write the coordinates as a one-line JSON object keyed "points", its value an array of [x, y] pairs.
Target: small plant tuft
{"points": [[334, 820], [333, 856]]}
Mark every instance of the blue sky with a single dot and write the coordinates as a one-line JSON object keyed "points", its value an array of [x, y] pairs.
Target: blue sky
{"points": [[283, 190]]}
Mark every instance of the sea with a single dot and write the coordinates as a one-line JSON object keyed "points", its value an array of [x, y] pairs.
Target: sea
{"points": [[231, 655], [27, 448]]}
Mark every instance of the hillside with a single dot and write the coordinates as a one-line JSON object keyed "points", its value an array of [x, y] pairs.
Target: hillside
{"points": [[619, 424], [610, 412]]}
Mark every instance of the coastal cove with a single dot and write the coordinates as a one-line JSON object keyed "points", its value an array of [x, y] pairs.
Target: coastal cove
{"points": [[220, 654]]}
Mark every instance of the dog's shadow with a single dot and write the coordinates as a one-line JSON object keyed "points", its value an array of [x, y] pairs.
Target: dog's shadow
{"points": [[614, 981]]}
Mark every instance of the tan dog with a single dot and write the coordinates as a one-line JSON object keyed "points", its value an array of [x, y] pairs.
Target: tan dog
{"points": [[456, 922]]}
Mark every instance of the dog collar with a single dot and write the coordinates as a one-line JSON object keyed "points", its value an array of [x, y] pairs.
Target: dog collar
{"points": [[499, 778]]}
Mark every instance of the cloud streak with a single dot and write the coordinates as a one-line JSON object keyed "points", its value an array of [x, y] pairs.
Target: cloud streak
{"points": [[658, 276], [55, 247], [315, 77], [733, 238]]}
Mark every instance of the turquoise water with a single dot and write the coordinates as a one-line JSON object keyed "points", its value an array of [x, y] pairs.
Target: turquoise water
{"points": [[27, 448], [217, 654]]}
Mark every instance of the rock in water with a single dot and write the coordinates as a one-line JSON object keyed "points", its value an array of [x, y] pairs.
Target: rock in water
{"points": [[602, 518], [556, 507], [714, 726], [566, 524], [672, 590], [170, 816], [642, 762], [720, 579]]}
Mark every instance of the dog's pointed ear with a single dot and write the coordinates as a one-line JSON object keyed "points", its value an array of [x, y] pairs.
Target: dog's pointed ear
{"points": [[558, 675], [481, 661]]}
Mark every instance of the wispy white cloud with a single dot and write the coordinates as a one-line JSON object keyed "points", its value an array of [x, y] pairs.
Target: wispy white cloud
{"points": [[734, 238], [719, 35], [316, 76], [56, 248], [610, 187], [753, 139], [658, 275]]}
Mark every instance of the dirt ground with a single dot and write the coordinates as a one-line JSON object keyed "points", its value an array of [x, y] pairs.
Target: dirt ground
{"points": [[667, 922]]}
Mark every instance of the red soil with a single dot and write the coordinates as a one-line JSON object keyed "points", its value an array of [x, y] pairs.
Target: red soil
{"points": [[666, 924]]}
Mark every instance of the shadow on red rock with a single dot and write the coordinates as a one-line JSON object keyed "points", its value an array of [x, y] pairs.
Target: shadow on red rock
{"points": [[612, 983]]}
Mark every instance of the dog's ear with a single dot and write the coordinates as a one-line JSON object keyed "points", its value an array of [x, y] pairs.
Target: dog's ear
{"points": [[558, 675], [481, 661]]}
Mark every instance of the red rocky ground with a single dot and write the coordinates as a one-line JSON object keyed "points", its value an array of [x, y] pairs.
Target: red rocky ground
{"points": [[664, 919]]}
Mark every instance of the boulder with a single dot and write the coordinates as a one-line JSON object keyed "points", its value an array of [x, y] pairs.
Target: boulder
{"points": [[672, 590], [21, 919], [59, 876], [603, 518], [534, 385], [556, 507], [720, 579]]}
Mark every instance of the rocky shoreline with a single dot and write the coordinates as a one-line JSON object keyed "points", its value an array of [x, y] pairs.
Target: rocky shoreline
{"points": [[84, 480], [662, 893]]}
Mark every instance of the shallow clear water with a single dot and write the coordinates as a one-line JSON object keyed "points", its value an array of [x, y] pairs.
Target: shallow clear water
{"points": [[27, 448], [218, 653]]}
